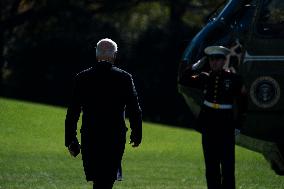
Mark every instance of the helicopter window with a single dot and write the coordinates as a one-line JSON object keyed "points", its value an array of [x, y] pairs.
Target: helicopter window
{"points": [[271, 18]]}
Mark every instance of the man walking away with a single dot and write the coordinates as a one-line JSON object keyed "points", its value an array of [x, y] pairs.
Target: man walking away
{"points": [[102, 93]]}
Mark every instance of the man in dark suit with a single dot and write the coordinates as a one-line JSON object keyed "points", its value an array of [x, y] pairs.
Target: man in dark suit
{"points": [[102, 93]]}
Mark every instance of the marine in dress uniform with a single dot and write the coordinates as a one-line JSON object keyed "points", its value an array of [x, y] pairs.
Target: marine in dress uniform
{"points": [[102, 93], [216, 120]]}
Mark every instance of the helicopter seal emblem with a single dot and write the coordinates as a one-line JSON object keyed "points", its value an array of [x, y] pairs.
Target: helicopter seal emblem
{"points": [[265, 92]]}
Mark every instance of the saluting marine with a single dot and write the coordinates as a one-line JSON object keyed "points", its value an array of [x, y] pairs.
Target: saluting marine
{"points": [[216, 121]]}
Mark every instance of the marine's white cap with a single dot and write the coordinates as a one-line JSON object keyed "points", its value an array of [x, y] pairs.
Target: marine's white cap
{"points": [[216, 50]]}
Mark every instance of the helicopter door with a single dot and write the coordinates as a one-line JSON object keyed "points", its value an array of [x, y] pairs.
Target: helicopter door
{"points": [[264, 58]]}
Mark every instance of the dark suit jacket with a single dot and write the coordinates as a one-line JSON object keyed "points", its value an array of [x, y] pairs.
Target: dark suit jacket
{"points": [[102, 93]]}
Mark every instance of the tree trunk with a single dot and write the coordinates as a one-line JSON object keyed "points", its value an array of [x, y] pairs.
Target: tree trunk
{"points": [[1, 50], [1, 56], [177, 10]]}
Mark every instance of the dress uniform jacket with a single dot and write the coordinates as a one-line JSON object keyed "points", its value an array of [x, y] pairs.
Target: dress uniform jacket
{"points": [[102, 93], [220, 88], [216, 122]]}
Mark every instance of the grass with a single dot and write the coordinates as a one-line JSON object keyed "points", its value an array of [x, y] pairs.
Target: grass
{"points": [[33, 156]]}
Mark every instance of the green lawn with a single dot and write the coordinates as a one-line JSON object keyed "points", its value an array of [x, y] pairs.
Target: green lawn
{"points": [[33, 156]]}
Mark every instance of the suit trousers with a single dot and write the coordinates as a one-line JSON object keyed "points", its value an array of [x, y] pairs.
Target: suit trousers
{"points": [[106, 184]]}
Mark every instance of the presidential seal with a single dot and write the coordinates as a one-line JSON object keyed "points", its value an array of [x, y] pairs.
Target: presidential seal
{"points": [[265, 92]]}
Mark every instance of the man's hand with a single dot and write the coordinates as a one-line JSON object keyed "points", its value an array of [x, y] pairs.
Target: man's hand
{"points": [[74, 148], [134, 140], [134, 144]]}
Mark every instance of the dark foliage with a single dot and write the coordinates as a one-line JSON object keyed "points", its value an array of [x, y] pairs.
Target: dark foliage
{"points": [[43, 44]]}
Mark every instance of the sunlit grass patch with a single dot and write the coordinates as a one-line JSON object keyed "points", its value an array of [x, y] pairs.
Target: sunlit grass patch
{"points": [[32, 155]]}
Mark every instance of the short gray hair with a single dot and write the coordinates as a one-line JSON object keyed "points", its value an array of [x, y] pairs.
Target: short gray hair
{"points": [[106, 48]]}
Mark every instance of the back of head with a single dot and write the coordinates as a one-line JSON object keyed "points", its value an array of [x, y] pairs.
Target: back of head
{"points": [[106, 50]]}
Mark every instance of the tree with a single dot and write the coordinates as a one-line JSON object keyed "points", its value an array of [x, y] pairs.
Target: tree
{"points": [[45, 42]]}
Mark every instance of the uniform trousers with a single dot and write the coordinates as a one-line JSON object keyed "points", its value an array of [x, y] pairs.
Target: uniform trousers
{"points": [[218, 141]]}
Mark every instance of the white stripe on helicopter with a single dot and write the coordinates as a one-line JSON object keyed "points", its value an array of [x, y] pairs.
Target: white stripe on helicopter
{"points": [[249, 57]]}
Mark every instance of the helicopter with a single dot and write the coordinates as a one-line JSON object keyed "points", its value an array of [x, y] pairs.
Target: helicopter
{"points": [[253, 30]]}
